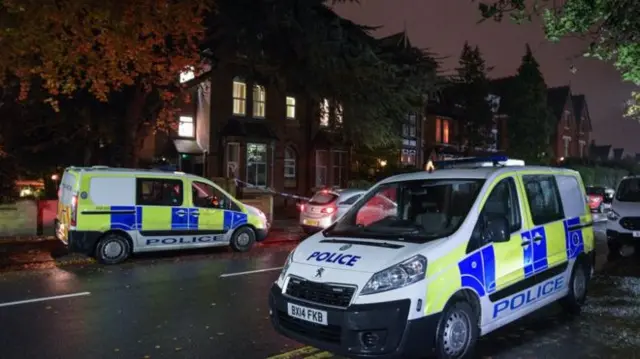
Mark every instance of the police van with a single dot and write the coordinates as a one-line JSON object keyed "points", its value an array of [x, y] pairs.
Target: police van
{"points": [[470, 249], [111, 213]]}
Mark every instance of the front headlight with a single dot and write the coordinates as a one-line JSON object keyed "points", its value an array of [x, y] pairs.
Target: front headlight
{"points": [[400, 275], [612, 215], [287, 263]]}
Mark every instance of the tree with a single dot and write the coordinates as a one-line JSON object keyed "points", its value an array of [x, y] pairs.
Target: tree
{"points": [[530, 121], [612, 26], [471, 89], [305, 46], [104, 47]]}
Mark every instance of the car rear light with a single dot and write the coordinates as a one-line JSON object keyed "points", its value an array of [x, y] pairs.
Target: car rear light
{"points": [[595, 201], [74, 210], [328, 210], [302, 208]]}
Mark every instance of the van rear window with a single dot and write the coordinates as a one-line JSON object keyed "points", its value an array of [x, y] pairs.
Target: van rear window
{"points": [[159, 192], [322, 198]]}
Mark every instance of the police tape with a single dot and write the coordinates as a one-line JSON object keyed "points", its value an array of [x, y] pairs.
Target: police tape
{"points": [[270, 190]]}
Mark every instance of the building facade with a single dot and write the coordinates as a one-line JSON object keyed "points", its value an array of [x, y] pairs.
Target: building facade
{"points": [[572, 132]]}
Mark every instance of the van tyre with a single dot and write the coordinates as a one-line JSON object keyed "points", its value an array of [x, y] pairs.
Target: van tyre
{"points": [[458, 332], [574, 301], [243, 239], [113, 248]]}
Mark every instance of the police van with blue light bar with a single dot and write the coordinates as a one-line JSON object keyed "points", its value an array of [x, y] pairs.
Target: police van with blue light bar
{"points": [[110, 213], [473, 245]]}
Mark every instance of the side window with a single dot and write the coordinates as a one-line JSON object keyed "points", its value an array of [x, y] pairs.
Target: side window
{"points": [[544, 199], [159, 192], [207, 196], [351, 200], [573, 200], [503, 202]]}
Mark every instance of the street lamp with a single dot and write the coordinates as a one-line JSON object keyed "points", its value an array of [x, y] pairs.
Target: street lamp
{"points": [[383, 163]]}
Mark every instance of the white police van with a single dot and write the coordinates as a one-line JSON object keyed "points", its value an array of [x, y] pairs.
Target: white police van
{"points": [[470, 248]]}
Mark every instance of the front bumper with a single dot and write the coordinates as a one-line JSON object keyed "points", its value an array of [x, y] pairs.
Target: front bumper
{"points": [[347, 328], [262, 234], [83, 242], [622, 238]]}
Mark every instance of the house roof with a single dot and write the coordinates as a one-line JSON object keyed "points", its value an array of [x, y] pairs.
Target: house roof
{"points": [[580, 109], [557, 98], [400, 39]]}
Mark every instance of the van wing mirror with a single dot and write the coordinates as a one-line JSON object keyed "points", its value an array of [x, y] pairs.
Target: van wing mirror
{"points": [[496, 230]]}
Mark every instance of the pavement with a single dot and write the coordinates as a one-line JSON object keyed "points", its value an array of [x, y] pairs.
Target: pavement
{"points": [[214, 305]]}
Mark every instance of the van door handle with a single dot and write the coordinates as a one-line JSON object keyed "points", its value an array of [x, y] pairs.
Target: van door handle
{"points": [[181, 212], [537, 238], [195, 213], [526, 242]]}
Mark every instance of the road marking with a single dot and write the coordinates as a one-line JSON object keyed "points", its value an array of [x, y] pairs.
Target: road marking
{"points": [[249, 272], [295, 353], [44, 299]]}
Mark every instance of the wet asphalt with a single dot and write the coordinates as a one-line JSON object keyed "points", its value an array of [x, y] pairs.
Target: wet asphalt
{"points": [[187, 307]]}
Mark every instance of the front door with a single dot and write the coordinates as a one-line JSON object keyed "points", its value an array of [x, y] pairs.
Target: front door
{"points": [[207, 216]]}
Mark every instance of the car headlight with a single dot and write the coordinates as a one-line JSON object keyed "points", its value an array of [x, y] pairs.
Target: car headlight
{"points": [[287, 264], [612, 215], [400, 275]]}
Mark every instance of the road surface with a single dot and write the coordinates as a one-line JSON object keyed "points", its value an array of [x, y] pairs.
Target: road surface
{"points": [[214, 306]]}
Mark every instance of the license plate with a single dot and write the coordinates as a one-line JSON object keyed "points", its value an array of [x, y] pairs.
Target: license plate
{"points": [[310, 222], [308, 314], [636, 234]]}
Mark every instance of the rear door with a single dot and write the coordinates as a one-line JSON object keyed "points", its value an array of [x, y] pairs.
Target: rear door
{"points": [[578, 223], [66, 205], [163, 212]]}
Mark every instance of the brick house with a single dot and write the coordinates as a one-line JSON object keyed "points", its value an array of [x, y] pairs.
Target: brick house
{"points": [[264, 136], [573, 127]]}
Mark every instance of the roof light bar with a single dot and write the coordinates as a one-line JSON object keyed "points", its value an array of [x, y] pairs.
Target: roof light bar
{"points": [[489, 161]]}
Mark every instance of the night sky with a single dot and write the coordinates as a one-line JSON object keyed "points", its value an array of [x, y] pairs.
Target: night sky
{"points": [[443, 26]]}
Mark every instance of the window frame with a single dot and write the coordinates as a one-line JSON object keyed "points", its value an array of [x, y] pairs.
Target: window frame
{"points": [[339, 167], [513, 192], [191, 121], [264, 164], [240, 98], [235, 148], [538, 178], [290, 163], [290, 106], [141, 180], [318, 166], [259, 101]]}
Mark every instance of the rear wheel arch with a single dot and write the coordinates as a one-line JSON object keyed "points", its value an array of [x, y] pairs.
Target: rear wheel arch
{"points": [[119, 232]]}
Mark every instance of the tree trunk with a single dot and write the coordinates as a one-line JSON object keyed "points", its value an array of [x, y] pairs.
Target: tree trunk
{"points": [[134, 127]]}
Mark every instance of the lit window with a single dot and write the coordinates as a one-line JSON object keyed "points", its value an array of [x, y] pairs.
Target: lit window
{"points": [[445, 131], [185, 127], [324, 113], [438, 130], [321, 168], [187, 75], [289, 163], [257, 164], [239, 97], [291, 107], [339, 113], [259, 101]]}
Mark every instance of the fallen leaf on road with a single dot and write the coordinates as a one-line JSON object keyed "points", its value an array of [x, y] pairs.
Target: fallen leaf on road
{"points": [[213, 304], [178, 349], [175, 338], [206, 327], [220, 333], [48, 308], [210, 338], [116, 350], [157, 347]]}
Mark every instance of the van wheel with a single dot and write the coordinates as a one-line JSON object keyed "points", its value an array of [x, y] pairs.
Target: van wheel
{"points": [[113, 249], [457, 332], [243, 239], [574, 301]]}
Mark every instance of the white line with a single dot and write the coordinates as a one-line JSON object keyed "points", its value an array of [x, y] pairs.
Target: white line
{"points": [[44, 299], [249, 272]]}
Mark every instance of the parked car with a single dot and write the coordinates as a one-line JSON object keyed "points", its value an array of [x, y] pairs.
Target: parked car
{"points": [[600, 199], [325, 207], [623, 224]]}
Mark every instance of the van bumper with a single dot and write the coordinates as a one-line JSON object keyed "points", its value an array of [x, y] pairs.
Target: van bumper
{"points": [[83, 242], [261, 234], [347, 328]]}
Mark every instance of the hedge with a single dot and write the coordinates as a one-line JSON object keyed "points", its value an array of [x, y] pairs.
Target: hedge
{"points": [[600, 176]]}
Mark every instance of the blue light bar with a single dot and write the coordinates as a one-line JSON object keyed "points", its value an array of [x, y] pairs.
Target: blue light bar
{"points": [[477, 162]]}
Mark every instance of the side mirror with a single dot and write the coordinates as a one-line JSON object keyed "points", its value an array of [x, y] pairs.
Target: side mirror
{"points": [[496, 229]]}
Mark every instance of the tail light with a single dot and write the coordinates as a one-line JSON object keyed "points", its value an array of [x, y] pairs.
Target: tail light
{"points": [[74, 210], [301, 208], [328, 210]]}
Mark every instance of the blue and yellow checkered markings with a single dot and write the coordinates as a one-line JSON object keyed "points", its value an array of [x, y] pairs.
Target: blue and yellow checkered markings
{"points": [[535, 253], [478, 271], [233, 220], [574, 238], [179, 218], [127, 218], [194, 218]]}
